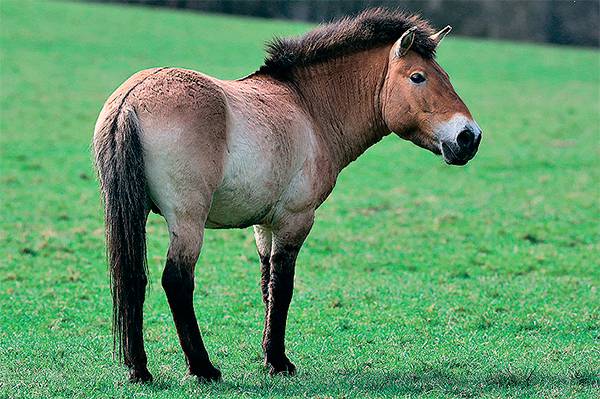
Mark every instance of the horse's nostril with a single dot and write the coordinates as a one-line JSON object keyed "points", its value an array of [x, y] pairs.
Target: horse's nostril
{"points": [[465, 138]]}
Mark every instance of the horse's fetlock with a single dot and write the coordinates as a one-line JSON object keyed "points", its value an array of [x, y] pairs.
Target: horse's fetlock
{"points": [[139, 375]]}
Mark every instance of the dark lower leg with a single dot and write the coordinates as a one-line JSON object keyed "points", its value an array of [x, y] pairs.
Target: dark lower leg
{"points": [[178, 282], [132, 339], [265, 277], [264, 237], [280, 286]]}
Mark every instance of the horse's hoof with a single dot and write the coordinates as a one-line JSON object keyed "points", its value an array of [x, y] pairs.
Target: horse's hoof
{"points": [[139, 376], [281, 367], [207, 374]]}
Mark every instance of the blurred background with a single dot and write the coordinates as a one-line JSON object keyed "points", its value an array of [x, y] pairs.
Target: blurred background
{"points": [[572, 22]]}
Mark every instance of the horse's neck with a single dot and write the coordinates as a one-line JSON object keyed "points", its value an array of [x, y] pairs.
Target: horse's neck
{"points": [[342, 97]]}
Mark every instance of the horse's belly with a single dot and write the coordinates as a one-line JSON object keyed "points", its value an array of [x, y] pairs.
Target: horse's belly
{"points": [[247, 194], [237, 207]]}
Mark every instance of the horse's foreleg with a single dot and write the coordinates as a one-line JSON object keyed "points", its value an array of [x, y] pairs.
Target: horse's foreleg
{"points": [[286, 243], [263, 238], [178, 283]]}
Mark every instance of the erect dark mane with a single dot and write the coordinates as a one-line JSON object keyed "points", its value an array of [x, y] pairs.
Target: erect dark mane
{"points": [[371, 28]]}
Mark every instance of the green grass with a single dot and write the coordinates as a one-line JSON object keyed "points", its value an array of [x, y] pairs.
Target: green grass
{"points": [[418, 279]]}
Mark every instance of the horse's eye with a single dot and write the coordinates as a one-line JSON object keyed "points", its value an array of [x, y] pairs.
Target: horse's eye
{"points": [[417, 77]]}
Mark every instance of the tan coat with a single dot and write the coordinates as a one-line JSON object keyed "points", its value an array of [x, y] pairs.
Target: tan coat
{"points": [[263, 151]]}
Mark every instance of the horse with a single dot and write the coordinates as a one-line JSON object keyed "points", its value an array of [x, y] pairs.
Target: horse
{"points": [[264, 151]]}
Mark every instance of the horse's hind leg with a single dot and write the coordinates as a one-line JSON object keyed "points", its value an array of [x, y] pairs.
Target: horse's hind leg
{"points": [[178, 283]]}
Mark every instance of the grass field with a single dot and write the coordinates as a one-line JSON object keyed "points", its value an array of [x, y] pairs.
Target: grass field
{"points": [[418, 279]]}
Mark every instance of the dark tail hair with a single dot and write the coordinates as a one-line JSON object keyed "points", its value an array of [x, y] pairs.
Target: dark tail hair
{"points": [[120, 166]]}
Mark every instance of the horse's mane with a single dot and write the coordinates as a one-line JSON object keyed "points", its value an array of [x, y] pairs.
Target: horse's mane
{"points": [[371, 28]]}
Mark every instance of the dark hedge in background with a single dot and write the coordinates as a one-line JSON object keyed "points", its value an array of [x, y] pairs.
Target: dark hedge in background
{"points": [[550, 21]]}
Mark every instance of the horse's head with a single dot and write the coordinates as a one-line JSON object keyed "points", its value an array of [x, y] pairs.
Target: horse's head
{"points": [[420, 104]]}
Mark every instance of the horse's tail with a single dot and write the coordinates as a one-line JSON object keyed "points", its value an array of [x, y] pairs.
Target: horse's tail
{"points": [[119, 162]]}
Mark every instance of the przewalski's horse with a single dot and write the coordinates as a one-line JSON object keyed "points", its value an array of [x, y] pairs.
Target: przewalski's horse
{"points": [[262, 151]]}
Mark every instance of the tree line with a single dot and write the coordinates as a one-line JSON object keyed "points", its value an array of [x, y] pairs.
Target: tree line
{"points": [[551, 21]]}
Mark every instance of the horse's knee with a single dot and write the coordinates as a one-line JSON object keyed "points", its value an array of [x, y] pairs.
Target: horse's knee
{"points": [[283, 260]]}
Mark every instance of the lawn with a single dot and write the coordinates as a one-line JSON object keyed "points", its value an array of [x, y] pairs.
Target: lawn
{"points": [[418, 279]]}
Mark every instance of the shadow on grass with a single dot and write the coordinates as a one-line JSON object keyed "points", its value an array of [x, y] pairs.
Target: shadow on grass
{"points": [[464, 384]]}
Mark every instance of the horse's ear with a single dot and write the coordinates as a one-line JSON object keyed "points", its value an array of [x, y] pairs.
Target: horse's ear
{"points": [[405, 42], [437, 37]]}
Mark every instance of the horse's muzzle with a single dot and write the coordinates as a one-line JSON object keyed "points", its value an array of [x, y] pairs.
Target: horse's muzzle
{"points": [[463, 148]]}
